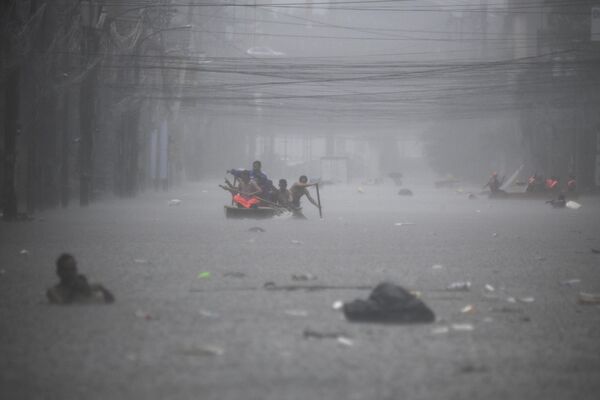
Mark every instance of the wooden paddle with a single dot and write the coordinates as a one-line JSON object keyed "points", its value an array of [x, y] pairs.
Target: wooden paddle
{"points": [[319, 201]]}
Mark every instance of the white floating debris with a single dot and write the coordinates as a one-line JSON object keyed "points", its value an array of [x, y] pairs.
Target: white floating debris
{"points": [[573, 205], [404, 223], [489, 288], [24, 252], [304, 277], [297, 313], [459, 286], [540, 258], [467, 309], [478, 211], [140, 261], [526, 299], [440, 330], [488, 319], [208, 314], [589, 298], [511, 300], [494, 234], [462, 327], [360, 190], [143, 315], [174, 202], [345, 341], [437, 266], [202, 351], [338, 305], [298, 242]]}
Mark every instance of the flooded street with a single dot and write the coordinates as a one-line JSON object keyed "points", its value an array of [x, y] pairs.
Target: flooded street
{"points": [[193, 318]]}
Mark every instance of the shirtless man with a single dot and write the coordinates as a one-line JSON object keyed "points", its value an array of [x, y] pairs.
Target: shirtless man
{"points": [[74, 287], [245, 193], [284, 196], [299, 189]]}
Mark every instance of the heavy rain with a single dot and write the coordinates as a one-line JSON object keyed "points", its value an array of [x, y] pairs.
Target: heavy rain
{"points": [[289, 199]]}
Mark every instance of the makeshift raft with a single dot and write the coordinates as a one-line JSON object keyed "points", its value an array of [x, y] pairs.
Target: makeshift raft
{"points": [[529, 195], [253, 213]]}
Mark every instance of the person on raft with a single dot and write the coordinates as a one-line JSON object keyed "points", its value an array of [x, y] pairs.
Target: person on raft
{"points": [[245, 194]]}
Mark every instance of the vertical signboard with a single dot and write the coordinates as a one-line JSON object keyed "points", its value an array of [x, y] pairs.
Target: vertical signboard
{"points": [[595, 24]]}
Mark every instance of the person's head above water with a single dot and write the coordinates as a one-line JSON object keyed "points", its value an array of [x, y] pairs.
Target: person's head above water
{"points": [[256, 165], [66, 267], [282, 184], [303, 179]]}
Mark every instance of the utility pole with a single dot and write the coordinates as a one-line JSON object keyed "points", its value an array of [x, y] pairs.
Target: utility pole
{"points": [[11, 129], [90, 12]]}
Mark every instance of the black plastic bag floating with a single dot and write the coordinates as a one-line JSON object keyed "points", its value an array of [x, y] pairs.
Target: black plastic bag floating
{"points": [[389, 303]]}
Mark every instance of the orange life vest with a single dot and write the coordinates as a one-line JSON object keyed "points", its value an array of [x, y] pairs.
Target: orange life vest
{"points": [[244, 202], [551, 183]]}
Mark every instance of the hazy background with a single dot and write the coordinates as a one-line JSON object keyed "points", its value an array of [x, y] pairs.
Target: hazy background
{"points": [[115, 97]]}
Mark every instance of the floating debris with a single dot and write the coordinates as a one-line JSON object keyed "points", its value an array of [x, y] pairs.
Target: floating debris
{"points": [[140, 261], [440, 330], [304, 277], [389, 303], [208, 314], [462, 327], [526, 299], [405, 192], [494, 234], [144, 315], [297, 242], [459, 286], [173, 202], [467, 309], [204, 275], [337, 305], [589, 298], [360, 189], [511, 299], [24, 252], [256, 229], [489, 288], [540, 258], [404, 223], [345, 341], [437, 266], [573, 205], [269, 285], [595, 251], [297, 313], [202, 351], [570, 282]]}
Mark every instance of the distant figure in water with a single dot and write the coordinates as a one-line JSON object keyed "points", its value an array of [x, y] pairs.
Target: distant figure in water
{"points": [[74, 287], [494, 183], [560, 202]]}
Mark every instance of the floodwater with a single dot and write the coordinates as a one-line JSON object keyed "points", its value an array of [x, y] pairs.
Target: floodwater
{"points": [[193, 320]]}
